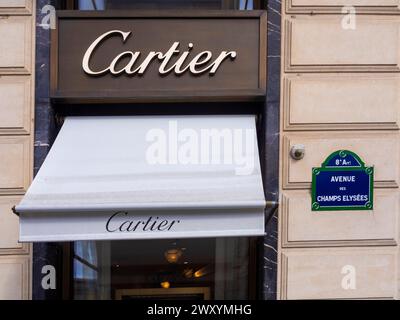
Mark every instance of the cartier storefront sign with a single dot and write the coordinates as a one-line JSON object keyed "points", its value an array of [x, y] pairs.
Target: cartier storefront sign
{"points": [[104, 57]]}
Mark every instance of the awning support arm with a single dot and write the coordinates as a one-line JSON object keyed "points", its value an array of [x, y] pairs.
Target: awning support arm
{"points": [[15, 211]]}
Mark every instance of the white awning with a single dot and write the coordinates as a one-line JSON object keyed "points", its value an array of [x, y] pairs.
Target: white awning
{"points": [[142, 177]]}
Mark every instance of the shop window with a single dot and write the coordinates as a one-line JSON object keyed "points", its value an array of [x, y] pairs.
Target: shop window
{"points": [[85, 270], [163, 269]]}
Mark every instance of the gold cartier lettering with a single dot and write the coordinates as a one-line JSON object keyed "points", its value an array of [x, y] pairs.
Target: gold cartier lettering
{"points": [[199, 64]]}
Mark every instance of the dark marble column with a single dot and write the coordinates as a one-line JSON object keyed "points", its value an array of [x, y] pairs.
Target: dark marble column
{"points": [[271, 149], [44, 253]]}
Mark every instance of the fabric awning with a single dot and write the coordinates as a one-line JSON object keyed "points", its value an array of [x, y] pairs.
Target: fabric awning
{"points": [[142, 177]]}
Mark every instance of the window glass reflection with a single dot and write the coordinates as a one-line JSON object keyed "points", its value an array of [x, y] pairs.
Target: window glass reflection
{"points": [[86, 250], [83, 271], [164, 4]]}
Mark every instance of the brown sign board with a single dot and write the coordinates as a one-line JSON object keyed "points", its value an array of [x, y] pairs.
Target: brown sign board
{"points": [[160, 56]]}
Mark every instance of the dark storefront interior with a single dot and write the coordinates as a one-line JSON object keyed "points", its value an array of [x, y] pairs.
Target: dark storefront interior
{"points": [[164, 269]]}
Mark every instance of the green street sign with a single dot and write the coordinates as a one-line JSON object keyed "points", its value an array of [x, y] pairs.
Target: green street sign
{"points": [[343, 182]]}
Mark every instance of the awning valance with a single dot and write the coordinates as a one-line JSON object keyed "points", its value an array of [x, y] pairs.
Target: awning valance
{"points": [[142, 177]]}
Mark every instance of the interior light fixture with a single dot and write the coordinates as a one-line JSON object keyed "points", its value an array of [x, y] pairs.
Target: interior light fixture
{"points": [[173, 255]]}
